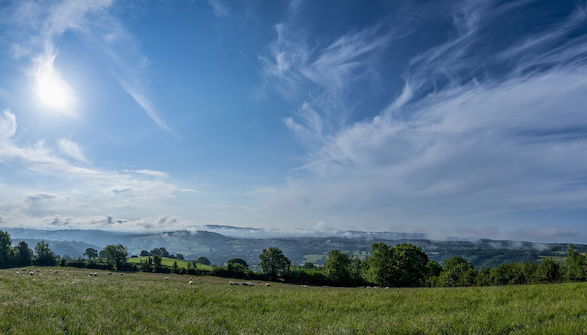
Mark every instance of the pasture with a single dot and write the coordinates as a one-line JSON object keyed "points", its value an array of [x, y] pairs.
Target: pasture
{"points": [[169, 262], [71, 302]]}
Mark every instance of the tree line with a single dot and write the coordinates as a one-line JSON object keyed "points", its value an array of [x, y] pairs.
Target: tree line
{"points": [[402, 265]]}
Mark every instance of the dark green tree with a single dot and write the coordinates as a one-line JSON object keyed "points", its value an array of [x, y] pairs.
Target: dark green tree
{"points": [[411, 265], [338, 267], [44, 256], [5, 250], [145, 253], [576, 265], [548, 271], [91, 253], [157, 263], [116, 255], [309, 266], [23, 255], [203, 260], [457, 271], [274, 263], [237, 265], [380, 268]]}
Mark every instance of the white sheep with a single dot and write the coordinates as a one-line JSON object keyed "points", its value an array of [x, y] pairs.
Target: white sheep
{"points": [[17, 273], [267, 284], [166, 278], [191, 282], [32, 273]]}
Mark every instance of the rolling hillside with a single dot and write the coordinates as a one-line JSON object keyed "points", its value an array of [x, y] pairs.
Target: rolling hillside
{"points": [[219, 248]]}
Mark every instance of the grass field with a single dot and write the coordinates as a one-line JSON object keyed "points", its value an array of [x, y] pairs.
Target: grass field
{"points": [[169, 262], [71, 302]]}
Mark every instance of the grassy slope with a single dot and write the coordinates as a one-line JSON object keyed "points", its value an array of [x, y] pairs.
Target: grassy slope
{"points": [[169, 262], [56, 303]]}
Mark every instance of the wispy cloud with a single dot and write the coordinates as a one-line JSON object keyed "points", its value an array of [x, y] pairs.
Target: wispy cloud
{"points": [[73, 150], [152, 173], [469, 133], [220, 8]]}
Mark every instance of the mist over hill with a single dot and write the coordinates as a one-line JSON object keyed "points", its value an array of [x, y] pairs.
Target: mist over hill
{"points": [[221, 247]]}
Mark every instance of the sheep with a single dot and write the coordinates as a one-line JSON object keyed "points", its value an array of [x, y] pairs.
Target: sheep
{"points": [[32, 273], [191, 282], [267, 285], [110, 273], [166, 278], [247, 283], [122, 274], [232, 283]]}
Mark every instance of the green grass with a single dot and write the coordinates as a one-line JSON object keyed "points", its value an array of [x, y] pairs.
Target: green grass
{"points": [[142, 303], [169, 262]]}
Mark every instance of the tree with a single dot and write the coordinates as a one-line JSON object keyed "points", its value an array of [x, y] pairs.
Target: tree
{"points": [[338, 267], [380, 269], [309, 266], [146, 265], [548, 271], [402, 265], [44, 255], [164, 252], [23, 255], [179, 256], [411, 265], [274, 263], [145, 253], [5, 249], [116, 255], [157, 263], [237, 265], [457, 271], [576, 264], [91, 253], [433, 270], [156, 252], [203, 260]]}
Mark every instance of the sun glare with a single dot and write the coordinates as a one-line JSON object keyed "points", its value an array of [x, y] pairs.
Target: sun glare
{"points": [[50, 88]]}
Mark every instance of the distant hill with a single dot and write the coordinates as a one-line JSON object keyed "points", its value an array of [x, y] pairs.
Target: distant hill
{"points": [[219, 248]]}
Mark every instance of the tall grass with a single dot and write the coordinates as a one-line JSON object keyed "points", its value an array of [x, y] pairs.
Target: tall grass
{"points": [[141, 303]]}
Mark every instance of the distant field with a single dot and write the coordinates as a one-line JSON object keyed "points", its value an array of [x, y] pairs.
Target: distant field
{"points": [[140, 303], [169, 262]]}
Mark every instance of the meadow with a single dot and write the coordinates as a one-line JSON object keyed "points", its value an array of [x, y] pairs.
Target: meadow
{"points": [[71, 302], [166, 261]]}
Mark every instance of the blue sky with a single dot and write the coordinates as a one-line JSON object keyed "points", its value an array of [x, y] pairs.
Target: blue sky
{"points": [[450, 118]]}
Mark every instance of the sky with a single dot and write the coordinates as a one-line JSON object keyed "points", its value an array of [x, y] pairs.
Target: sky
{"points": [[450, 118]]}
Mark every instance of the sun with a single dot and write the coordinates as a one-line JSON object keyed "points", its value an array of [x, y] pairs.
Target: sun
{"points": [[50, 88]]}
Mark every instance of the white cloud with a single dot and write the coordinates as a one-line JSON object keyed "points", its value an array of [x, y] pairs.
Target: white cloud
{"points": [[452, 148], [152, 173], [76, 190], [73, 150], [7, 125], [220, 8]]}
